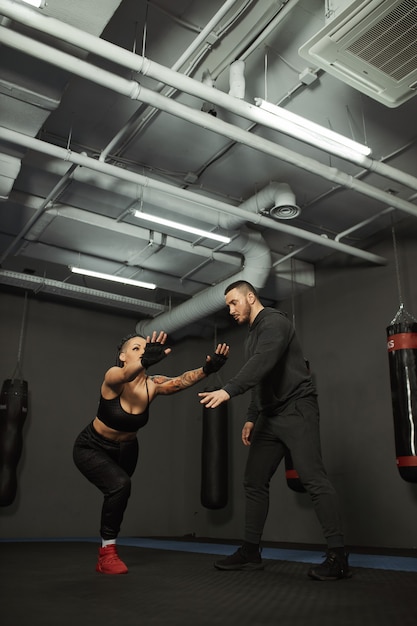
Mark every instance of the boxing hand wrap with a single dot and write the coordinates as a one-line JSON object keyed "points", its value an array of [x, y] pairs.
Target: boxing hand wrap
{"points": [[154, 352], [216, 362]]}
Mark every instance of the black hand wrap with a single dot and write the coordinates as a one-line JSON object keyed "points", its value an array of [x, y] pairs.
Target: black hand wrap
{"points": [[154, 352], [216, 362]]}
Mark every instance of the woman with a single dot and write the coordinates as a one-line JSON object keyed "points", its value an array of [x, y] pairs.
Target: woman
{"points": [[106, 451]]}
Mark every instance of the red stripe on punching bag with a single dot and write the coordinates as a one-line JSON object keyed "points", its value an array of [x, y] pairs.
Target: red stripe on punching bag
{"points": [[407, 461], [402, 356], [291, 475], [214, 458], [13, 411], [402, 341]]}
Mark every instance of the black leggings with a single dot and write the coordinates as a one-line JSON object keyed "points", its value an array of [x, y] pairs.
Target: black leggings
{"points": [[108, 465]]}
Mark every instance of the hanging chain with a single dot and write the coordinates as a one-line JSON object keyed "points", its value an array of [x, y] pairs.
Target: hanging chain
{"points": [[18, 369], [402, 314], [292, 270], [397, 265]]}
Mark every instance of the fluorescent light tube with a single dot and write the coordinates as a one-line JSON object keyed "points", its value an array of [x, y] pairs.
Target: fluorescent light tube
{"points": [[312, 133], [116, 279], [39, 4], [188, 229]]}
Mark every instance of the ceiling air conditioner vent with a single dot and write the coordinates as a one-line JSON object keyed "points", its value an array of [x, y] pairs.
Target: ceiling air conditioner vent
{"points": [[372, 46]]}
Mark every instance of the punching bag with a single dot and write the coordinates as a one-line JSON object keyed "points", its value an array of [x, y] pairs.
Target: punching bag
{"points": [[402, 355], [291, 475], [214, 458], [13, 412]]}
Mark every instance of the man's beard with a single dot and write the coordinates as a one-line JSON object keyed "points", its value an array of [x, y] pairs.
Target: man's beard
{"points": [[245, 316]]}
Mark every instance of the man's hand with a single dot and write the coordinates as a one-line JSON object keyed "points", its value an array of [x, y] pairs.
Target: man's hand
{"points": [[213, 399], [154, 349], [217, 360], [247, 432]]}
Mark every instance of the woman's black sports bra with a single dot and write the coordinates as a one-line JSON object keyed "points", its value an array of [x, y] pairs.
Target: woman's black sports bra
{"points": [[111, 413]]}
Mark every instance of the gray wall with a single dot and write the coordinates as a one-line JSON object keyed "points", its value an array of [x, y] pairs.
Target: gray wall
{"points": [[341, 324]]}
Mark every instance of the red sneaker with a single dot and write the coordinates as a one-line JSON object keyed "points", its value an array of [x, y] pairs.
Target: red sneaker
{"points": [[109, 562]]}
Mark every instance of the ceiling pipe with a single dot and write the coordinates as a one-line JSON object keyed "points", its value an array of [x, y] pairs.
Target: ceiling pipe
{"points": [[274, 198], [119, 173], [107, 223], [131, 124], [55, 287], [275, 195], [271, 196], [52, 196], [142, 65], [198, 307], [290, 255], [268, 147], [264, 25], [207, 30], [360, 225], [135, 91], [193, 308], [246, 46], [211, 300], [257, 267]]}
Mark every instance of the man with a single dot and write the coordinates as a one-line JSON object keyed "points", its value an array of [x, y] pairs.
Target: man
{"points": [[283, 415]]}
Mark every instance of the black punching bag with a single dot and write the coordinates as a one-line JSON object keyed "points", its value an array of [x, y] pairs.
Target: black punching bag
{"points": [[293, 479], [13, 411], [291, 474], [402, 355], [214, 458]]}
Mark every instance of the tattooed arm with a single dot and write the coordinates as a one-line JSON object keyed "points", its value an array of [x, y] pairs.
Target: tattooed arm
{"points": [[165, 385]]}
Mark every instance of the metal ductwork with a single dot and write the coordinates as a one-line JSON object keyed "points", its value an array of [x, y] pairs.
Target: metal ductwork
{"points": [[34, 105], [149, 68], [9, 168], [276, 199], [256, 270], [39, 284], [221, 207], [285, 206]]}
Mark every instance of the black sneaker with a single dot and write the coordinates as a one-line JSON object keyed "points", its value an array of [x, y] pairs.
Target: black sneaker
{"points": [[334, 567], [241, 560]]}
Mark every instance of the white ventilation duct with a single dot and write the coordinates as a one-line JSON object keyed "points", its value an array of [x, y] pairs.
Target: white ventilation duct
{"points": [[257, 257], [257, 266], [178, 192], [212, 299], [254, 250], [135, 91], [144, 66], [9, 169], [276, 199], [237, 79]]}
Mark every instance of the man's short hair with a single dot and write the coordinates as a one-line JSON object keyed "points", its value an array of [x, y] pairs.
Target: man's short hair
{"points": [[242, 285]]}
